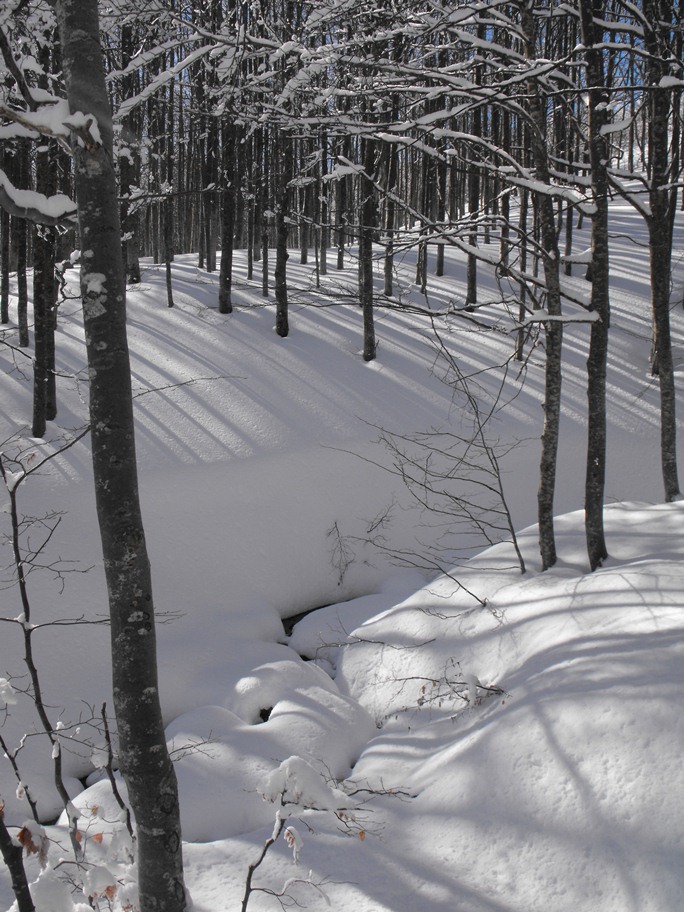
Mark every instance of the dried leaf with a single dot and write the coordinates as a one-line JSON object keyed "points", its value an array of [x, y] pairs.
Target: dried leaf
{"points": [[97, 837], [25, 838], [362, 835]]}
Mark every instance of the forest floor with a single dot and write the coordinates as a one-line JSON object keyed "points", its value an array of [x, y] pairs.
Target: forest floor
{"points": [[505, 742]]}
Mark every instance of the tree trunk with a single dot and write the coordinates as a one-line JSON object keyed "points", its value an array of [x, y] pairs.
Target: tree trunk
{"points": [[366, 228], [282, 256], [600, 294], [662, 354], [13, 856], [44, 300], [167, 204], [324, 214], [264, 261], [19, 244], [4, 251], [227, 221], [129, 165], [144, 757], [390, 217], [662, 204], [340, 218], [280, 271], [553, 328]]}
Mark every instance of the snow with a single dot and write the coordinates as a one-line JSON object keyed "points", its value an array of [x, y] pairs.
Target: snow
{"points": [[56, 206], [8, 695], [484, 740]]}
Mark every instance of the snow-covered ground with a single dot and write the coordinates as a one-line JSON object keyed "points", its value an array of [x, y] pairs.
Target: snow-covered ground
{"points": [[504, 742]]}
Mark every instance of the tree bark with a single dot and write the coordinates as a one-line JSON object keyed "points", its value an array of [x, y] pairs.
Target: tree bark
{"points": [[4, 251], [662, 204], [19, 243], [553, 328], [282, 256], [366, 228], [227, 220], [600, 294], [129, 166], [13, 856], [44, 300], [144, 757]]}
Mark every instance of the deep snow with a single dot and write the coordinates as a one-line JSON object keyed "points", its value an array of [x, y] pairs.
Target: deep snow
{"points": [[505, 742]]}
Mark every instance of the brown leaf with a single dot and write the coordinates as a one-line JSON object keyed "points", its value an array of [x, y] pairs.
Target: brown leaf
{"points": [[25, 838]]}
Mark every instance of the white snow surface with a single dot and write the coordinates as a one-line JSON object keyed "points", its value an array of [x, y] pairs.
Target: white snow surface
{"points": [[475, 740]]}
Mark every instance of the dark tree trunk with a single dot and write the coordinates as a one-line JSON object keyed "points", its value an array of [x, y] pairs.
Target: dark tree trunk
{"points": [[390, 218], [143, 754], [167, 204], [19, 242], [280, 272], [209, 194], [264, 262], [600, 294], [553, 327], [44, 301], [129, 166], [324, 214], [522, 290], [473, 205], [569, 222], [4, 252], [474, 193], [13, 856], [227, 221], [167, 207], [282, 256], [264, 223], [340, 218], [505, 204], [660, 244], [366, 229], [662, 204]]}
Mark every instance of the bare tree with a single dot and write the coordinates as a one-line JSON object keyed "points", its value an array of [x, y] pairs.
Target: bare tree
{"points": [[553, 328], [145, 761], [591, 11]]}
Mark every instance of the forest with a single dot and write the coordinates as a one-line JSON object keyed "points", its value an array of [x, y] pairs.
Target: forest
{"points": [[410, 274]]}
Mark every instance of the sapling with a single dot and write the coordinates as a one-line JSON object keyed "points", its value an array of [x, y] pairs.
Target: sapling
{"points": [[14, 473], [28, 539], [296, 786]]}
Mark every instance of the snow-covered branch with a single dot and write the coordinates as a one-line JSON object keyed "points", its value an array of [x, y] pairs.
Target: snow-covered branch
{"points": [[36, 207]]}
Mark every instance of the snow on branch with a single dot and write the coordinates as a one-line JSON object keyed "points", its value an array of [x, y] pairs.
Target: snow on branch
{"points": [[296, 782], [543, 316], [47, 121], [45, 210], [159, 82]]}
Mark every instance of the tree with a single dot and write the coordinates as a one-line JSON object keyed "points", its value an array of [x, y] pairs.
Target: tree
{"points": [[366, 229], [658, 16], [554, 328], [144, 758], [591, 11]]}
